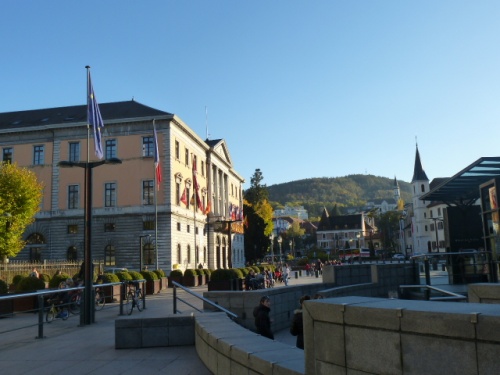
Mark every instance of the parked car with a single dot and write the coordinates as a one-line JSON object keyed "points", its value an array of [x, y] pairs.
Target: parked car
{"points": [[398, 256], [114, 270]]}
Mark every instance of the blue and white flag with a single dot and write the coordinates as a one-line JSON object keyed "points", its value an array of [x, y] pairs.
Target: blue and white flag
{"points": [[94, 117]]}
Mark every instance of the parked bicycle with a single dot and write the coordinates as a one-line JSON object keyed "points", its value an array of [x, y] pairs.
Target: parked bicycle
{"points": [[55, 311], [134, 297], [76, 298]]}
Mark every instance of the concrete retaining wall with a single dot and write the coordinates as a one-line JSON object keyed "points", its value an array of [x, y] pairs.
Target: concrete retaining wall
{"points": [[227, 348], [381, 336], [173, 330], [484, 293]]}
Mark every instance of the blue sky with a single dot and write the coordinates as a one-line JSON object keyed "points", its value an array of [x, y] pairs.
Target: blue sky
{"points": [[299, 89]]}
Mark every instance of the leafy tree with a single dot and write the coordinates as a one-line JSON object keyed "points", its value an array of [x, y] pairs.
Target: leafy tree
{"points": [[20, 198], [257, 192], [294, 234], [388, 226], [258, 216]]}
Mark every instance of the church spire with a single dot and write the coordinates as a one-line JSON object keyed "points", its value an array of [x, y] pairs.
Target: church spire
{"points": [[418, 170], [395, 188]]}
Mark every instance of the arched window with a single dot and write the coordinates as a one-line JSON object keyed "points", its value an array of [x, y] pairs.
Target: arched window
{"points": [[204, 254], [189, 254], [179, 254], [109, 256], [149, 254], [34, 243], [197, 254], [422, 187], [72, 253]]}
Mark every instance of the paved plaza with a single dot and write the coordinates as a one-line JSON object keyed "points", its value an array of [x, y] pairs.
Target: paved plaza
{"points": [[69, 348]]}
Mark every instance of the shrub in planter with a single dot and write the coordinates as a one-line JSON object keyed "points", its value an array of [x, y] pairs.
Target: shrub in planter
{"points": [[223, 279], [111, 291], [175, 275], [4, 288], [30, 284], [220, 274], [135, 275], [45, 277], [16, 279], [244, 271], [159, 273], [190, 277], [256, 269], [236, 273], [124, 276], [152, 282], [58, 279]]}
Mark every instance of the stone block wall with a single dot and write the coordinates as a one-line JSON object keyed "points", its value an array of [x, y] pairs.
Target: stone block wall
{"points": [[382, 336]]}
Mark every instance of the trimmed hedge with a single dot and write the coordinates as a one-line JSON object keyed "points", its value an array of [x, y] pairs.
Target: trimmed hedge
{"points": [[191, 272], [160, 273], [149, 275], [124, 276], [110, 278], [58, 279], [176, 273], [45, 277], [135, 275], [4, 288], [30, 284]]}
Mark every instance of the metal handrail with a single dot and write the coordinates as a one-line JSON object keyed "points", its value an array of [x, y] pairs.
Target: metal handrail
{"points": [[448, 295], [175, 298]]}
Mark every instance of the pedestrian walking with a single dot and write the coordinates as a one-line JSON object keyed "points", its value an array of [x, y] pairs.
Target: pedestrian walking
{"points": [[262, 319]]}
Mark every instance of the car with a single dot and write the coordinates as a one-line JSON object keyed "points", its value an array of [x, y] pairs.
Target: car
{"points": [[114, 270], [398, 256]]}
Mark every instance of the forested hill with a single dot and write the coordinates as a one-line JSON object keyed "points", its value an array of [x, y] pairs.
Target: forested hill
{"points": [[349, 191]]}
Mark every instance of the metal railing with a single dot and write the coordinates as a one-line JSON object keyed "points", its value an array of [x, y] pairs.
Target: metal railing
{"points": [[428, 289], [205, 300], [7, 301]]}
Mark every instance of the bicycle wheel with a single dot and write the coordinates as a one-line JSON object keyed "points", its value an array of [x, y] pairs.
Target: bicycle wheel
{"points": [[129, 303], [100, 300], [74, 304], [51, 314], [138, 300]]}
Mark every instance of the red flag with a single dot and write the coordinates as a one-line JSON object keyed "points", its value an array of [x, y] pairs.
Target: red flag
{"points": [[184, 197], [157, 159], [208, 208], [196, 186], [245, 221]]}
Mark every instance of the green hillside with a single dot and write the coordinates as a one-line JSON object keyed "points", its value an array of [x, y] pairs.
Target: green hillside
{"points": [[349, 191]]}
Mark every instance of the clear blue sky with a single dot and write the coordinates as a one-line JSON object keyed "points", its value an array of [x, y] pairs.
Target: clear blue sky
{"points": [[299, 89]]}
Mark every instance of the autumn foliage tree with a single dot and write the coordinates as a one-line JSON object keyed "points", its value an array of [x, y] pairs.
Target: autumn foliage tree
{"points": [[20, 198]]}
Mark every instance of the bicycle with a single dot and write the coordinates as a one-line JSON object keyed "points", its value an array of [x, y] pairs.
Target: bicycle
{"points": [[55, 311], [134, 297], [100, 299]]}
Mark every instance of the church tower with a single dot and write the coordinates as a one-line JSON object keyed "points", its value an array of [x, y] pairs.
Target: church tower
{"points": [[397, 192], [420, 225]]}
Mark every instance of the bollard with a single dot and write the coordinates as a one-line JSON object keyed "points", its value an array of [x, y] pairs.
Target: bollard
{"points": [[296, 275], [300, 273], [316, 273], [443, 267]]}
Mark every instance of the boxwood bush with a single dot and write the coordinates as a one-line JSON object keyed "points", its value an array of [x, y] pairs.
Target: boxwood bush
{"points": [[135, 275], [57, 279], [221, 274], [4, 288], [160, 273], [191, 272], [236, 273], [176, 273], [149, 275], [45, 277], [124, 276], [16, 279], [30, 284], [110, 278]]}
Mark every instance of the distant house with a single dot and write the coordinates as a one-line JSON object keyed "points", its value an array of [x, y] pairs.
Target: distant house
{"points": [[299, 212], [345, 232]]}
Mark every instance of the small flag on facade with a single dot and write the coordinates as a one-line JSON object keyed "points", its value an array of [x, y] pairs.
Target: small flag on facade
{"points": [[184, 197]]}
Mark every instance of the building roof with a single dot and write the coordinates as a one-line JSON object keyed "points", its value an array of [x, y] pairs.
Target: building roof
{"points": [[76, 114], [463, 187], [340, 222]]}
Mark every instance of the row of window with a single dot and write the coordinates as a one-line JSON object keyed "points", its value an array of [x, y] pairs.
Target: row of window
{"points": [[110, 151], [110, 194]]}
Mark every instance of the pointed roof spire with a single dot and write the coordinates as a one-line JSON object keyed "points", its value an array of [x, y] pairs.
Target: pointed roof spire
{"points": [[418, 170], [396, 184]]}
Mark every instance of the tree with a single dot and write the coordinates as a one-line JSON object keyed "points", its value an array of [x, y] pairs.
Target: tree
{"points": [[20, 198], [389, 229], [256, 192], [259, 216]]}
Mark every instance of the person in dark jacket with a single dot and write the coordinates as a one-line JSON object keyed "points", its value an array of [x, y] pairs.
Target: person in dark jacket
{"points": [[262, 319], [297, 328]]}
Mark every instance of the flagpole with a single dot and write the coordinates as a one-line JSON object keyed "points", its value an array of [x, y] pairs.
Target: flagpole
{"points": [[195, 205], [156, 203], [88, 124]]}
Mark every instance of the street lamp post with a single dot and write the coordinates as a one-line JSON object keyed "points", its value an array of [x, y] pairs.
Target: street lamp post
{"points": [[271, 239], [280, 240], [88, 311], [141, 250]]}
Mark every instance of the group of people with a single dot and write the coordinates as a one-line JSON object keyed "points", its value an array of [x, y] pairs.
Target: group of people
{"points": [[266, 278], [263, 320]]}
